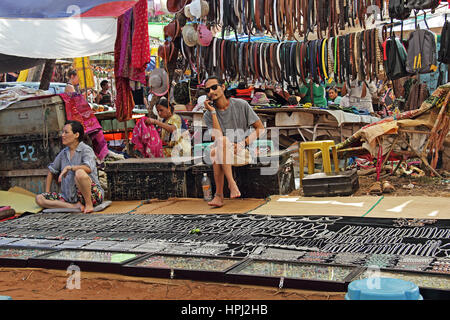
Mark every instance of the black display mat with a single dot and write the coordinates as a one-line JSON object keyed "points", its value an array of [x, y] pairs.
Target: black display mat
{"points": [[357, 241], [205, 268], [297, 275]]}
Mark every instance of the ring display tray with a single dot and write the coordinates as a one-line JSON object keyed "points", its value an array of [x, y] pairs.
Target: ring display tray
{"points": [[18, 256], [203, 268], [432, 285], [297, 275], [87, 260]]}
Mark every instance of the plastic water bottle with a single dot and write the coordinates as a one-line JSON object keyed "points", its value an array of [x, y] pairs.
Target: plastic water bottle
{"points": [[206, 186]]}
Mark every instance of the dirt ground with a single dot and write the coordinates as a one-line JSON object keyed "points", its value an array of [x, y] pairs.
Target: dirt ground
{"points": [[45, 284], [405, 186], [37, 284]]}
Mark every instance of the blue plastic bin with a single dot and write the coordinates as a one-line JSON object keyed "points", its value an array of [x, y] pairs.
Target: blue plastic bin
{"points": [[382, 289], [5, 298]]}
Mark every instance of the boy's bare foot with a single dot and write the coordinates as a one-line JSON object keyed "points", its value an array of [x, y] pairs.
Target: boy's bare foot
{"points": [[88, 208], [79, 205], [234, 191], [217, 201]]}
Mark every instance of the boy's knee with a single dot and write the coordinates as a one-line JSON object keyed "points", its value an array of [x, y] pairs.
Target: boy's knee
{"points": [[80, 174], [39, 199]]}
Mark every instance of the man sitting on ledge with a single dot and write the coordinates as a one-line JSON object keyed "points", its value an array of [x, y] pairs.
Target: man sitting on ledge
{"points": [[230, 121]]}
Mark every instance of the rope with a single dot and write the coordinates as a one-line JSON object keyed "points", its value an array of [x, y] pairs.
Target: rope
{"points": [[45, 113], [140, 205]]}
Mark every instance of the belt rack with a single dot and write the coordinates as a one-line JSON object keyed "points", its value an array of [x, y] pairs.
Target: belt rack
{"points": [[354, 56]]}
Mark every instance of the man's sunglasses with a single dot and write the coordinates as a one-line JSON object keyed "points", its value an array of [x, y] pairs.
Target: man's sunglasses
{"points": [[213, 87]]}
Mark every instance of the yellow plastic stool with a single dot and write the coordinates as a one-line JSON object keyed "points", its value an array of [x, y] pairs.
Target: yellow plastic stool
{"points": [[324, 146]]}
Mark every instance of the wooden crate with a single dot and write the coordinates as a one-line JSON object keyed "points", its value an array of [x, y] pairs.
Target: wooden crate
{"points": [[27, 151], [33, 116], [32, 180], [140, 179]]}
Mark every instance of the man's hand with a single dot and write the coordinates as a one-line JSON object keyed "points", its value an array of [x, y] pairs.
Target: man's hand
{"points": [[209, 105], [64, 173]]}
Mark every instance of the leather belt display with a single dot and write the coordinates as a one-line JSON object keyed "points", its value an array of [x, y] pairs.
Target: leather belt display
{"points": [[339, 59]]}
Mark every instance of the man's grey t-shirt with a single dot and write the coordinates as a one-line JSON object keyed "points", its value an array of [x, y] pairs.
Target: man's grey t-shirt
{"points": [[84, 155], [236, 120]]}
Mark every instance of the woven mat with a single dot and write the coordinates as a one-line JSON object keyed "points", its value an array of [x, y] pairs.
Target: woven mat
{"points": [[198, 206], [182, 206], [368, 206]]}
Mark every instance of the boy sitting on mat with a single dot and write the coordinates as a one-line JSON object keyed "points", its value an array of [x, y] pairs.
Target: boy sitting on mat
{"points": [[77, 172]]}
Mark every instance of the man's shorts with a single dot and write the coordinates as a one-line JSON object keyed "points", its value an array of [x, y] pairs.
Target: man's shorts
{"points": [[241, 158]]}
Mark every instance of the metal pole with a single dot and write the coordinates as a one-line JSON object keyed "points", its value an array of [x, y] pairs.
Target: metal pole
{"points": [[85, 82]]}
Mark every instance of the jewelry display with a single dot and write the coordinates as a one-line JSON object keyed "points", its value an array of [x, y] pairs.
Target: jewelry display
{"points": [[187, 263], [293, 270]]}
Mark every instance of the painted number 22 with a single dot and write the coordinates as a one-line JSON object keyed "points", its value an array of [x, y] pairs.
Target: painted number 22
{"points": [[27, 156]]}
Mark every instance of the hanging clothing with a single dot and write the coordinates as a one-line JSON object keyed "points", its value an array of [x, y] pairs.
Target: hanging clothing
{"points": [[124, 99], [140, 52], [318, 91], [78, 109]]}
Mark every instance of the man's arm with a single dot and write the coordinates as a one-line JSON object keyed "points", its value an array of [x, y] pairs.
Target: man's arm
{"points": [[216, 129], [48, 181], [259, 131], [69, 88], [169, 127]]}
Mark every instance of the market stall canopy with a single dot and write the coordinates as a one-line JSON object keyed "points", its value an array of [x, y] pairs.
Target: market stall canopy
{"points": [[49, 29]]}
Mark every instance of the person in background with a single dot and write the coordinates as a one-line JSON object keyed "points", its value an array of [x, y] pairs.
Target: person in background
{"points": [[360, 95], [104, 96], [74, 82], [333, 96], [76, 170], [318, 94], [12, 76], [174, 137]]}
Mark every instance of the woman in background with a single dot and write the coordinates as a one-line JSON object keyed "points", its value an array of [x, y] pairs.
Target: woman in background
{"points": [[175, 138]]}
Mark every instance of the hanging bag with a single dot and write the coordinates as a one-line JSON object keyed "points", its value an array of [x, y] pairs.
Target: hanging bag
{"points": [[398, 9], [421, 57], [422, 4], [394, 57], [444, 51]]}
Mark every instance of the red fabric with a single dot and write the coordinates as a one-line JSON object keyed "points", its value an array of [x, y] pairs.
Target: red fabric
{"points": [[140, 52], [146, 140], [77, 108], [111, 9], [10, 218], [124, 99]]}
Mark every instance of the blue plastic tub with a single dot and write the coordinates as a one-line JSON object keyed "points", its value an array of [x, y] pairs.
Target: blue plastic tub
{"points": [[382, 289]]}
